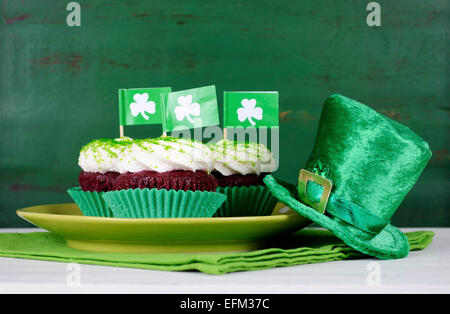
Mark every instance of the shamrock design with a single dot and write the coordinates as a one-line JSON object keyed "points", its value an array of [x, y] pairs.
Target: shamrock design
{"points": [[141, 105], [249, 111], [186, 108]]}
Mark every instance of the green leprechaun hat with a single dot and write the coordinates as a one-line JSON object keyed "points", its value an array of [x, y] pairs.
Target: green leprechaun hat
{"points": [[362, 166]]}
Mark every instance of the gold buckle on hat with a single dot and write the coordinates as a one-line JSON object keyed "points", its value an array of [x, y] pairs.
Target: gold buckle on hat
{"points": [[303, 179]]}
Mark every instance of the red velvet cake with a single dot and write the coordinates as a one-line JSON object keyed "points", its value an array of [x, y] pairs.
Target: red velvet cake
{"points": [[96, 181], [176, 180], [239, 179]]}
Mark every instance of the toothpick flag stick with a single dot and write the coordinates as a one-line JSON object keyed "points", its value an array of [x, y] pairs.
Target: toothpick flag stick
{"points": [[140, 106]]}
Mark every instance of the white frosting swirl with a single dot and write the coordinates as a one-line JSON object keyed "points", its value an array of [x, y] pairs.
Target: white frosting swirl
{"points": [[160, 154], [242, 158], [101, 155]]}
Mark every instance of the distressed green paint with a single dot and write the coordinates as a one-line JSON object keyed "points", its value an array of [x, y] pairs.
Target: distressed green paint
{"points": [[58, 84]]}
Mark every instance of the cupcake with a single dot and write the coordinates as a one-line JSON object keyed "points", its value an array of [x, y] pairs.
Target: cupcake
{"points": [[99, 161], [240, 169], [151, 178]]}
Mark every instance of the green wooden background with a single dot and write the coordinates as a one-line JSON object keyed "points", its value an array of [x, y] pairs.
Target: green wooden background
{"points": [[58, 84]]}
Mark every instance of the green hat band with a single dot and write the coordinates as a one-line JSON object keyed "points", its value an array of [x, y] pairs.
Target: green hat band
{"points": [[346, 210]]}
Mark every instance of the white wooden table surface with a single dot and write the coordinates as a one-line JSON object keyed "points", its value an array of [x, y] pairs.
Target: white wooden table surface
{"points": [[426, 271]]}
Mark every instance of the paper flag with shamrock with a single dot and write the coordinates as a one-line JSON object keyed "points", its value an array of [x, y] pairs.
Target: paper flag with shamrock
{"points": [[190, 108], [141, 105], [250, 109]]}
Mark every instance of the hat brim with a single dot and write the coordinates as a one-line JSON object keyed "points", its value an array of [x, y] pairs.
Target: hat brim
{"points": [[390, 243]]}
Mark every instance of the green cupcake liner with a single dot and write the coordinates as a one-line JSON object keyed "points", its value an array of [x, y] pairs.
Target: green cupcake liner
{"points": [[90, 203], [162, 203], [255, 200]]}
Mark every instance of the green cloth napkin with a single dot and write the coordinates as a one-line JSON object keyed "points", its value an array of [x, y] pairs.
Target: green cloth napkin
{"points": [[304, 247]]}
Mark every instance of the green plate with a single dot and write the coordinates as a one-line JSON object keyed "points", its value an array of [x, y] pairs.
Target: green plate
{"points": [[162, 235]]}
